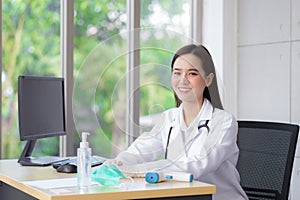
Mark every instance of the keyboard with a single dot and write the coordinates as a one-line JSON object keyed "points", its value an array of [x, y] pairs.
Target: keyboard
{"points": [[96, 160], [41, 161]]}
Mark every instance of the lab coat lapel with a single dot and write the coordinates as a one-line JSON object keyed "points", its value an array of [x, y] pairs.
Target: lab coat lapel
{"points": [[215, 133], [176, 144]]}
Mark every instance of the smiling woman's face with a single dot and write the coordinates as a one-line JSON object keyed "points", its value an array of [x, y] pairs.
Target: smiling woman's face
{"points": [[188, 78]]}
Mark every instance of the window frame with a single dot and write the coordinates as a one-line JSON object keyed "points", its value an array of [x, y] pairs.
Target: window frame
{"points": [[67, 47]]}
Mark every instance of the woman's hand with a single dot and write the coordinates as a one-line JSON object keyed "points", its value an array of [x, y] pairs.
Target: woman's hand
{"points": [[128, 170], [131, 171], [113, 162]]}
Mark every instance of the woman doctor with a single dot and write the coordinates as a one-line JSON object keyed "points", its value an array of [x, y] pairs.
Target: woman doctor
{"points": [[197, 137]]}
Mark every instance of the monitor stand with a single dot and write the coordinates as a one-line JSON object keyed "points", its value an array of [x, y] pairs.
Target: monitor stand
{"points": [[27, 160]]}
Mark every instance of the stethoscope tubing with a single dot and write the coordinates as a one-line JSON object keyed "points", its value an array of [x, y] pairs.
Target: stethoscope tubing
{"points": [[205, 125]]}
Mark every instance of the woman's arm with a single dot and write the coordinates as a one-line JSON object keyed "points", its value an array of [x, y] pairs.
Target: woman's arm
{"points": [[225, 150], [147, 147]]}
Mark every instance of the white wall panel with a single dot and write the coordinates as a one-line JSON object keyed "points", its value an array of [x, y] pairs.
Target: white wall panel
{"points": [[263, 21], [295, 181], [295, 19], [264, 82], [295, 83], [268, 70], [295, 115]]}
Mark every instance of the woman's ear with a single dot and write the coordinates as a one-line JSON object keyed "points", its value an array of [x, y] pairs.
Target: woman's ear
{"points": [[209, 78]]}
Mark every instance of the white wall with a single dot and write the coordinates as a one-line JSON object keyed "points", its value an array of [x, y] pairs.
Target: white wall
{"points": [[269, 66], [219, 22], [213, 35], [257, 46]]}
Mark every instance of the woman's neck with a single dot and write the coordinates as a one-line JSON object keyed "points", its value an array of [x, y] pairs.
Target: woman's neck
{"points": [[190, 111]]}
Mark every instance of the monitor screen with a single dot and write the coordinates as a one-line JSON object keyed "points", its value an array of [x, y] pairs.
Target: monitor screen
{"points": [[41, 107]]}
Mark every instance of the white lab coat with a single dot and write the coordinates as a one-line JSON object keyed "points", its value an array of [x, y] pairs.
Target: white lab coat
{"points": [[210, 156]]}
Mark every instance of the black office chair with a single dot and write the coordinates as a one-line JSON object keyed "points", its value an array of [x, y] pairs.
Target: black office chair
{"points": [[265, 163]]}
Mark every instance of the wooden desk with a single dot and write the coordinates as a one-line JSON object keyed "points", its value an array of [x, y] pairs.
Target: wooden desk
{"points": [[14, 185]]}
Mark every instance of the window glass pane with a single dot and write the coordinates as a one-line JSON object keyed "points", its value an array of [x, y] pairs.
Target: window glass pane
{"points": [[31, 46], [99, 73], [164, 29]]}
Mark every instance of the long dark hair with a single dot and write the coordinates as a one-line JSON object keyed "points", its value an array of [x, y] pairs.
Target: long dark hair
{"points": [[212, 92]]}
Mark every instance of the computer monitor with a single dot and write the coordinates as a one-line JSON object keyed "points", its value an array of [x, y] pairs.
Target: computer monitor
{"points": [[41, 114]]}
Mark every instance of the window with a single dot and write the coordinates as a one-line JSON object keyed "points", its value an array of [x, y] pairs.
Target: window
{"points": [[100, 66], [164, 29], [31, 45]]}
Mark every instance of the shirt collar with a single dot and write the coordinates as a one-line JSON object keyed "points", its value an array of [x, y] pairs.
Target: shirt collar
{"points": [[205, 113]]}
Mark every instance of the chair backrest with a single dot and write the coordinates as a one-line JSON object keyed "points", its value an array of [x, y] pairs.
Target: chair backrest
{"points": [[267, 152]]}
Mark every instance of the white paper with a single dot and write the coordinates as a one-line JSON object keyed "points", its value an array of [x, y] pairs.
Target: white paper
{"points": [[53, 183]]}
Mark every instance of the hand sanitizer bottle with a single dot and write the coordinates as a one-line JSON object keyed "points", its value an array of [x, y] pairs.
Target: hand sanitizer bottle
{"points": [[84, 169]]}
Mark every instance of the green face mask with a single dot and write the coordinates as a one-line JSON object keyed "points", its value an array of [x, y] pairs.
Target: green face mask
{"points": [[108, 175]]}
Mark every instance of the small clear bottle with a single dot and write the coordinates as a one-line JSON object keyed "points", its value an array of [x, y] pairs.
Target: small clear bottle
{"points": [[84, 161]]}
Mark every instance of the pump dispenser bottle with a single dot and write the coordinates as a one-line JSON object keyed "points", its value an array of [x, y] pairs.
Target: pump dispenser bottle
{"points": [[84, 156]]}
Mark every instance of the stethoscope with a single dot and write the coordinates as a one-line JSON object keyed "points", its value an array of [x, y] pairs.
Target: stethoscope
{"points": [[205, 125]]}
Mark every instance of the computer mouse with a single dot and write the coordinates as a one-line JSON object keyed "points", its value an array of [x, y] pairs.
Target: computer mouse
{"points": [[67, 168]]}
